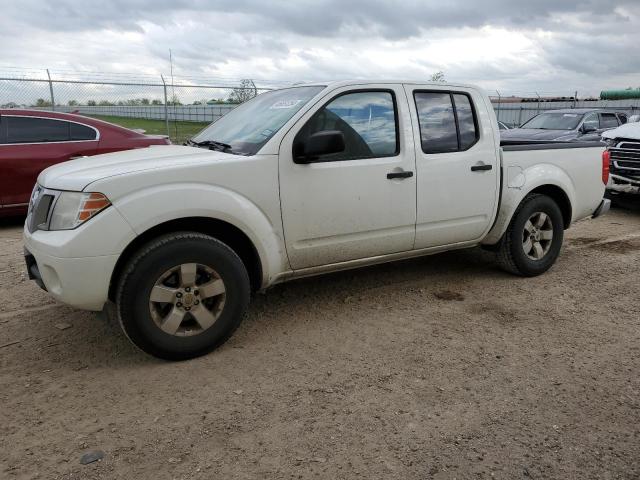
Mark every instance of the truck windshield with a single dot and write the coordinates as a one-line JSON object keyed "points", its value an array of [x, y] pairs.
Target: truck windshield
{"points": [[246, 128], [554, 121]]}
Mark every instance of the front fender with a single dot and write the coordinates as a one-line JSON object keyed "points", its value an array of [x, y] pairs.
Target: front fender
{"points": [[517, 184], [154, 205]]}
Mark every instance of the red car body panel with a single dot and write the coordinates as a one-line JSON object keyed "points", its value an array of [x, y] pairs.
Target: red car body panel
{"points": [[21, 163]]}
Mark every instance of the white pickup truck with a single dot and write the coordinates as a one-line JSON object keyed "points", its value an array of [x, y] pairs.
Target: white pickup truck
{"points": [[298, 182]]}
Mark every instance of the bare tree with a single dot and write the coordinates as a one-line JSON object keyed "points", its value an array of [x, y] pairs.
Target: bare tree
{"points": [[246, 91], [174, 100], [438, 77]]}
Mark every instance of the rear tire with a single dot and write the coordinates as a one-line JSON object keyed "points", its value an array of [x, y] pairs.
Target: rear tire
{"points": [[533, 240], [182, 295]]}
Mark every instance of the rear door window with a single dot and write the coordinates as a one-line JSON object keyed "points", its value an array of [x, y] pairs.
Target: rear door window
{"points": [[80, 132], [36, 130], [447, 121], [466, 120], [608, 120]]}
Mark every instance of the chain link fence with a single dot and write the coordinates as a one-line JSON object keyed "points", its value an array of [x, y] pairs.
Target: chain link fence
{"points": [[176, 107], [181, 106]]}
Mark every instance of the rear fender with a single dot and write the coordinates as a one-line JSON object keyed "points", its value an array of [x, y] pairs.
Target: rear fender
{"points": [[517, 184]]}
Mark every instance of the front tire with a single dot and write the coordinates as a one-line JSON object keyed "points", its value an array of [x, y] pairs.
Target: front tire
{"points": [[182, 295], [533, 240]]}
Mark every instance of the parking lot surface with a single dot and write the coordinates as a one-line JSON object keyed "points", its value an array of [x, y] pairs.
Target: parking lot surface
{"points": [[442, 367]]}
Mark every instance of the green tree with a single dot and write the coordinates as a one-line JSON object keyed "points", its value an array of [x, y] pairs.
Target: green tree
{"points": [[41, 102]]}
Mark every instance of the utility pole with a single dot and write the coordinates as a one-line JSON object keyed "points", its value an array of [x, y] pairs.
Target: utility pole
{"points": [[53, 100], [173, 94], [166, 106]]}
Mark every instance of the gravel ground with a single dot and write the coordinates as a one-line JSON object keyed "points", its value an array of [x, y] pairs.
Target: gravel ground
{"points": [[442, 367]]}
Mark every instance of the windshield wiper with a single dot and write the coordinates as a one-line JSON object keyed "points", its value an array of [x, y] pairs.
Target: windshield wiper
{"points": [[212, 145]]}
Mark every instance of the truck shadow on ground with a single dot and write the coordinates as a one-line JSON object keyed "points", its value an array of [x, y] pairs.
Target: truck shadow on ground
{"points": [[96, 340], [438, 269]]}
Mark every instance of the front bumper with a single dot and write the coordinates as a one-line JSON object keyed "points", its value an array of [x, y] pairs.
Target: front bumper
{"points": [[75, 266], [32, 269], [78, 282], [621, 184], [603, 208]]}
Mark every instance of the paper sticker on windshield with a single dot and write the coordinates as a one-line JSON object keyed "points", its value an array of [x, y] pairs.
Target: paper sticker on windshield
{"points": [[571, 115], [285, 104]]}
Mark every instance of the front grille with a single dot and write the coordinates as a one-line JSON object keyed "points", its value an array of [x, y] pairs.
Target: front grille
{"points": [[625, 159]]}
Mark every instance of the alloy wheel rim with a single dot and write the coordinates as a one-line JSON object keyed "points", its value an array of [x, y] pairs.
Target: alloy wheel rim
{"points": [[537, 236], [187, 299]]}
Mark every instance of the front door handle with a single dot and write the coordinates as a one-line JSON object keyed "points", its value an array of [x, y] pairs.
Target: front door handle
{"points": [[392, 175], [481, 167]]}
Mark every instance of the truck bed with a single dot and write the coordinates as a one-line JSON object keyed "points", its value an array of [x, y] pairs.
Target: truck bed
{"points": [[574, 166]]}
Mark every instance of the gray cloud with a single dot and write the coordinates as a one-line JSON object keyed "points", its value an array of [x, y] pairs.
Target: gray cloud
{"points": [[586, 43], [317, 17]]}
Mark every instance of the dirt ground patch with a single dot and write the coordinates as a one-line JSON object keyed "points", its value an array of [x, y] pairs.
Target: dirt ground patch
{"points": [[437, 368], [449, 295], [617, 246]]}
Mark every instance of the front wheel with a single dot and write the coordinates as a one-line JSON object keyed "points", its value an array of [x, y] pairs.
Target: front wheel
{"points": [[182, 295], [533, 240]]}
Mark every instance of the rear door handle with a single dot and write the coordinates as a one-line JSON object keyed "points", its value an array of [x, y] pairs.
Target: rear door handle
{"points": [[392, 175], [481, 167]]}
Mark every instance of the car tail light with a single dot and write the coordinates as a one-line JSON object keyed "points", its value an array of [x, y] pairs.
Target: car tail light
{"points": [[606, 166]]}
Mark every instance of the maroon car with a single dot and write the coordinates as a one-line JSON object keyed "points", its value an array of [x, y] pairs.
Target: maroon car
{"points": [[32, 140]]}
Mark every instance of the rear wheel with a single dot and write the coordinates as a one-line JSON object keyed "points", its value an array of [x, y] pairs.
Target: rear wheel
{"points": [[182, 295], [533, 240]]}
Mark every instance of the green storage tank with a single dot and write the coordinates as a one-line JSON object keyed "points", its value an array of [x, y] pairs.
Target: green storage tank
{"points": [[620, 94]]}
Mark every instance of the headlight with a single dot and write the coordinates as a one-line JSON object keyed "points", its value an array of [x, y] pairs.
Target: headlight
{"points": [[74, 208]]}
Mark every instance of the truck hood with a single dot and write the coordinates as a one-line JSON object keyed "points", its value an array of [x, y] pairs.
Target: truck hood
{"points": [[537, 134], [628, 130], [75, 175]]}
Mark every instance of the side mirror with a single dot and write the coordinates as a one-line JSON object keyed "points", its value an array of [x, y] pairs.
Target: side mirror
{"points": [[587, 128], [320, 143]]}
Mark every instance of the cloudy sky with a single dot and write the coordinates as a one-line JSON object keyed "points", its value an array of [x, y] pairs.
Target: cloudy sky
{"points": [[517, 46]]}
